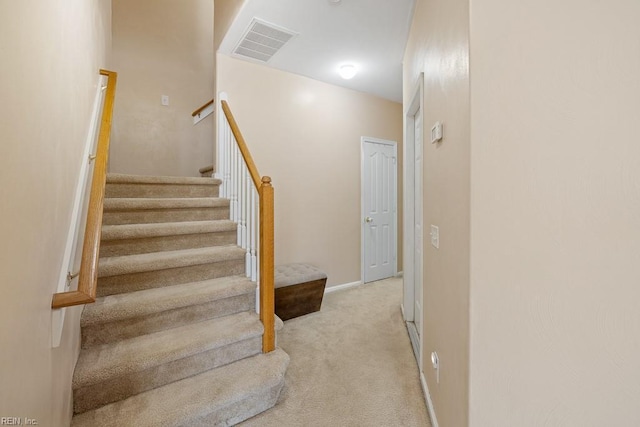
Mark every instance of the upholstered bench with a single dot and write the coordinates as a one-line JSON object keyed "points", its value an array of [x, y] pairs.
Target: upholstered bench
{"points": [[299, 289]]}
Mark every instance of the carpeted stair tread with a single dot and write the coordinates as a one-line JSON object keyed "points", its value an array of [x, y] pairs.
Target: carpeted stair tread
{"points": [[133, 203], [126, 264], [118, 178], [223, 396], [109, 361], [139, 231], [150, 301]]}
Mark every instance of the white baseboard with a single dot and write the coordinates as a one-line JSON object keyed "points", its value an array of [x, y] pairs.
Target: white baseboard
{"points": [[341, 287], [427, 397], [400, 274]]}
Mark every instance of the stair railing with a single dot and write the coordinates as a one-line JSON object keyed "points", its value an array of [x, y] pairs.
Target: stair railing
{"points": [[202, 112], [251, 208], [88, 274]]}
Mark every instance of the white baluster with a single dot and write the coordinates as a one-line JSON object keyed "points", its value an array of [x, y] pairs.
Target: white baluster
{"points": [[238, 187], [224, 157], [227, 160], [247, 236], [241, 216], [258, 254], [252, 243]]}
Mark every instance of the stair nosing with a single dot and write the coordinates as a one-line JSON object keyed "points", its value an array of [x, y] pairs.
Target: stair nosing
{"points": [[118, 178], [113, 308], [138, 263], [116, 232], [148, 203], [104, 362]]}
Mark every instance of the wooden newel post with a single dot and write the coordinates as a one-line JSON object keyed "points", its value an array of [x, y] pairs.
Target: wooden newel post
{"points": [[267, 306]]}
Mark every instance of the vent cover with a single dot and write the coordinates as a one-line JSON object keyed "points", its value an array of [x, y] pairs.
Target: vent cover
{"points": [[262, 40]]}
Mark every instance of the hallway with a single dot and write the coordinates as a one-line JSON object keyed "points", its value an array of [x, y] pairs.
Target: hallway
{"points": [[351, 364]]}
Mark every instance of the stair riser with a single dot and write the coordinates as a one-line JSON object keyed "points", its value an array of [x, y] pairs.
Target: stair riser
{"points": [[241, 410], [132, 282], [166, 243], [164, 215], [104, 333], [94, 396], [161, 190]]}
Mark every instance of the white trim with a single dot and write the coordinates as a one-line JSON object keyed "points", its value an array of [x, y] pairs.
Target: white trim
{"points": [[408, 200], [74, 236], [417, 104], [400, 274], [394, 144], [219, 117], [427, 398], [415, 342], [342, 287]]}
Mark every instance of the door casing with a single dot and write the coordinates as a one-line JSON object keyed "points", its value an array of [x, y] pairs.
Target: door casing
{"points": [[409, 211]]}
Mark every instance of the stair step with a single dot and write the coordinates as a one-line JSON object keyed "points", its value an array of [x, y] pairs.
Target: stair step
{"points": [[122, 185], [112, 372], [221, 397], [146, 210], [125, 316], [128, 239], [130, 273]]}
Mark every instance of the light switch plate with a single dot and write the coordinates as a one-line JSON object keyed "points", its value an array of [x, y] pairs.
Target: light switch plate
{"points": [[435, 236], [165, 100]]}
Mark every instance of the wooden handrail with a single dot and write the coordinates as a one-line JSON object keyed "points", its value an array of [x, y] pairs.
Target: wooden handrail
{"points": [[266, 238], [201, 109], [88, 280], [253, 170]]}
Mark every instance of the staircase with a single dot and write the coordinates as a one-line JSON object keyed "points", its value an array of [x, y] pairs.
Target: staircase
{"points": [[173, 338]]}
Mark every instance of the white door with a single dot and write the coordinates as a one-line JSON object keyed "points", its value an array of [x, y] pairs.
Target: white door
{"points": [[418, 228], [379, 209]]}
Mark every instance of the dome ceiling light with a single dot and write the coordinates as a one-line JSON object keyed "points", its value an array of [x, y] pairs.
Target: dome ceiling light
{"points": [[348, 71]]}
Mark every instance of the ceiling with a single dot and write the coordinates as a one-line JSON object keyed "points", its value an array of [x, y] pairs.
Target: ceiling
{"points": [[370, 34]]}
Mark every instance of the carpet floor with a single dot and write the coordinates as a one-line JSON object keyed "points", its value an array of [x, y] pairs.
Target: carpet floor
{"points": [[351, 364]]}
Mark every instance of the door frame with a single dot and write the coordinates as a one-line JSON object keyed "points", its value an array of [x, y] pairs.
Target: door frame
{"points": [[408, 300], [364, 140]]}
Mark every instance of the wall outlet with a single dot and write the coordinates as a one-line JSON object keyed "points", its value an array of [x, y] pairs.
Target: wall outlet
{"points": [[165, 100]]}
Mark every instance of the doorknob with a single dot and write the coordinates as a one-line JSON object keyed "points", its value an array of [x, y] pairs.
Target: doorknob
{"points": [[368, 219]]}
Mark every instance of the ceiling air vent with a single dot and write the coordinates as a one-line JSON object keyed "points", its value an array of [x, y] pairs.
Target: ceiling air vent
{"points": [[262, 40]]}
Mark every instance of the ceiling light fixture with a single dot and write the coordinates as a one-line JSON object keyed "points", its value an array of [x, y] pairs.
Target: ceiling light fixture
{"points": [[334, 1], [347, 71]]}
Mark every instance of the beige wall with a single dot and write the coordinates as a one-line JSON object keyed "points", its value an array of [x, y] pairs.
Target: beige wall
{"points": [[225, 13], [306, 135], [555, 227], [162, 47], [439, 46], [51, 54]]}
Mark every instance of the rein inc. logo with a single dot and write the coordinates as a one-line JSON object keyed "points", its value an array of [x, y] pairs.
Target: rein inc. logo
{"points": [[18, 421]]}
